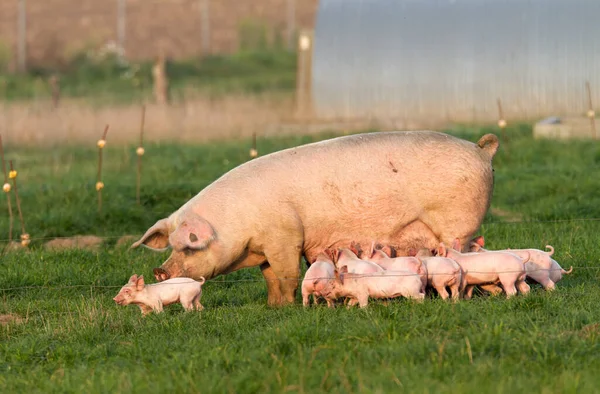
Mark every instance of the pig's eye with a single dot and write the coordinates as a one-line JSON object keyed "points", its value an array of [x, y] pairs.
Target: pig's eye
{"points": [[189, 252]]}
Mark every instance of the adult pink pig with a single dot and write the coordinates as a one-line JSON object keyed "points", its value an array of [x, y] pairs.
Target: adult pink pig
{"points": [[270, 211]]}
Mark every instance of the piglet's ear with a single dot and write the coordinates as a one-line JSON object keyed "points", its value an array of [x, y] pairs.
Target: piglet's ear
{"points": [[479, 241], [475, 247], [140, 283], [133, 278], [193, 232], [335, 255], [391, 251], [441, 250], [343, 272], [456, 245], [355, 248]]}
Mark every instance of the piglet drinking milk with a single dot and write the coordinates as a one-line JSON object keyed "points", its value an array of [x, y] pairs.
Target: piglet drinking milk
{"points": [[541, 267], [491, 269]]}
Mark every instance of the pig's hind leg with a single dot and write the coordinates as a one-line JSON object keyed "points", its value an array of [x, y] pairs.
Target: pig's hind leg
{"points": [[187, 303], [522, 286], [443, 292], [197, 303]]}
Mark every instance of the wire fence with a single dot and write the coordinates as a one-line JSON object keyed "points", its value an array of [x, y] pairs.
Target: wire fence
{"points": [[515, 222], [386, 274]]}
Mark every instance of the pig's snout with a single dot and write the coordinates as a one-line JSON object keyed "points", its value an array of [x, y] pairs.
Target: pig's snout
{"points": [[160, 274], [118, 299]]}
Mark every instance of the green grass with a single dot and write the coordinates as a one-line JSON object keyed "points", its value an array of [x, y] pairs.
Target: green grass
{"points": [[109, 81], [73, 338]]}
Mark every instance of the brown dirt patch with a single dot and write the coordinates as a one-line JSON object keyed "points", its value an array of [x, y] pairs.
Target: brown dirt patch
{"points": [[9, 318], [507, 216], [590, 330], [126, 241], [90, 242]]}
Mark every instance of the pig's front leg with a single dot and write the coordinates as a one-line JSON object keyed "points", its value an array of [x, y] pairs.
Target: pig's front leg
{"points": [[158, 307], [145, 309], [283, 256], [362, 298], [352, 302], [273, 290], [469, 291]]}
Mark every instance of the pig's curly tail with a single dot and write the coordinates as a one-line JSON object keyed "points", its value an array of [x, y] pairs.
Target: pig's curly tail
{"points": [[489, 143]]}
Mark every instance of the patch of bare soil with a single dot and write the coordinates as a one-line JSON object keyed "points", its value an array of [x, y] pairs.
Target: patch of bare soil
{"points": [[507, 216], [9, 318], [590, 330], [90, 242], [126, 241]]}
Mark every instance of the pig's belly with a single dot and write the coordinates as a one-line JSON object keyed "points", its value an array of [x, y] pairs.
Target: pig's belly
{"points": [[482, 279], [415, 235]]}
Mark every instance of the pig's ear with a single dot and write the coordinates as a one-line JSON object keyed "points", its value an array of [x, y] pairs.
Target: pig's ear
{"points": [[355, 248], [133, 278], [343, 272], [456, 245], [390, 251], [193, 232], [335, 254], [156, 238], [371, 249], [140, 283], [479, 241], [441, 250], [475, 247]]}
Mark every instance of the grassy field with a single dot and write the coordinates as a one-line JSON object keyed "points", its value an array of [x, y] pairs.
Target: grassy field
{"points": [[105, 80], [67, 335]]}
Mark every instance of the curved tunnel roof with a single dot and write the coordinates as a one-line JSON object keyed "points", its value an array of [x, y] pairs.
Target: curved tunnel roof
{"points": [[451, 59]]}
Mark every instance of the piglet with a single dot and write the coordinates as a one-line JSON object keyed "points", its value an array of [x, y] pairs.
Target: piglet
{"points": [[383, 259], [442, 273], [317, 275], [153, 297], [349, 257], [489, 269], [384, 284], [541, 267]]}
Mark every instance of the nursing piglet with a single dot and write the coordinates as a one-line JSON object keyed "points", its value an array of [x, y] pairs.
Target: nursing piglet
{"points": [[349, 258], [491, 268], [442, 273], [317, 275], [385, 284], [153, 297], [412, 264], [541, 267]]}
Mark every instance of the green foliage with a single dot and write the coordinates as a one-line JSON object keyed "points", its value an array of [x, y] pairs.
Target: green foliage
{"points": [[253, 35], [103, 76], [5, 56], [73, 338]]}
